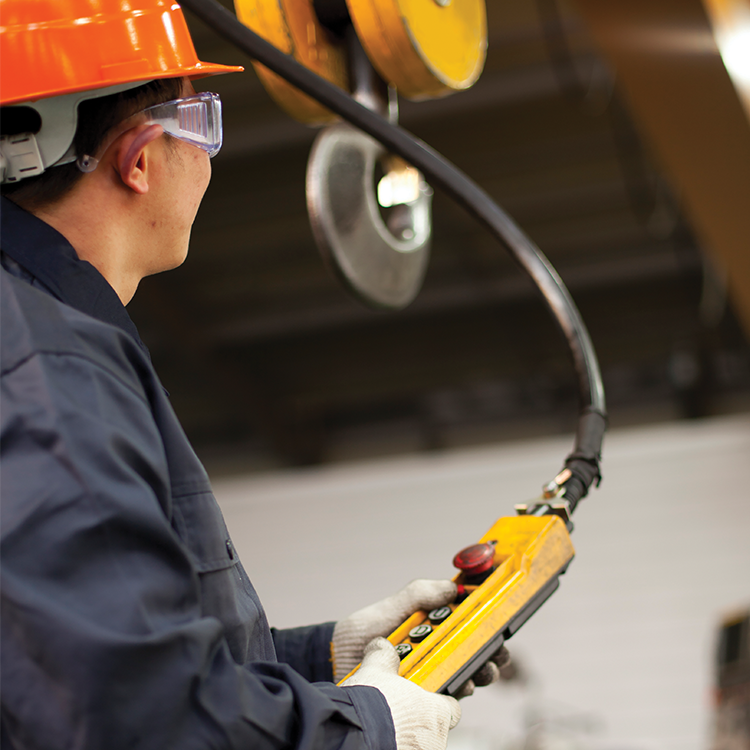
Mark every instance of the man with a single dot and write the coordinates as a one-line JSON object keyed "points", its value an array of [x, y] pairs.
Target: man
{"points": [[127, 618]]}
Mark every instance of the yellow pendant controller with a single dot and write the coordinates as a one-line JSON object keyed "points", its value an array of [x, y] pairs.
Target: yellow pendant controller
{"points": [[504, 579]]}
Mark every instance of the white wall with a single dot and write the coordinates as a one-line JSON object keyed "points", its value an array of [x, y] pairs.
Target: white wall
{"points": [[621, 654]]}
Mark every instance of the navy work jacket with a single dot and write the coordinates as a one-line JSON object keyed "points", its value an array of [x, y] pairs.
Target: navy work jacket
{"points": [[127, 618]]}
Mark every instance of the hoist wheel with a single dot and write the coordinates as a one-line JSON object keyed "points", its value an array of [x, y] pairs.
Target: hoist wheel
{"points": [[424, 48], [293, 27]]}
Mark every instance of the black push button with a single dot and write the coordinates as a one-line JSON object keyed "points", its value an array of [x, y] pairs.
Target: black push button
{"points": [[438, 615], [403, 649], [421, 632]]}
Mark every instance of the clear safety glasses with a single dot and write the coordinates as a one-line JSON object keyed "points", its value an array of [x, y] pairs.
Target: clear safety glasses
{"points": [[195, 119]]}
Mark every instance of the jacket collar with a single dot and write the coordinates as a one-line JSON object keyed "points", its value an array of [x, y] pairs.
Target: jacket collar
{"points": [[50, 258]]}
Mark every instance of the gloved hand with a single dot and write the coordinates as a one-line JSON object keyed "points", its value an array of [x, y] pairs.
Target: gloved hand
{"points": [[421, 719], [488, 674], [351, 636]]}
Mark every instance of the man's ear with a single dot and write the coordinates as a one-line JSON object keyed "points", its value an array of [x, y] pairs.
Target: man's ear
{"points": [[131, 161]]}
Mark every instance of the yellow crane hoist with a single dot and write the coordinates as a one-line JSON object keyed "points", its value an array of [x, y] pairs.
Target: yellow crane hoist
{"points": [[423, 48], [374, 50]]}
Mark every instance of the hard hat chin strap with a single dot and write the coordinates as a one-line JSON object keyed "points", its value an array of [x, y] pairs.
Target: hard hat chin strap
{"points": [[19, 157]]}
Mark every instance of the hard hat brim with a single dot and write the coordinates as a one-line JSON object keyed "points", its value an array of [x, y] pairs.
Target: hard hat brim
{"points": [[194, 73]]}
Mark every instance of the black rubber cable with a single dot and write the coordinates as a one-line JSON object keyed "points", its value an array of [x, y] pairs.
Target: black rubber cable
{"points": [[584, 461]]}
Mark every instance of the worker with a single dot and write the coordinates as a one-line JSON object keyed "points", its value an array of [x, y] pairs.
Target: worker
{"points": [[128, 620]]}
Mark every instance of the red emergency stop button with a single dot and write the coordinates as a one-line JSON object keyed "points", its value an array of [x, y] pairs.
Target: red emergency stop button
{"points": [[476, 561]]}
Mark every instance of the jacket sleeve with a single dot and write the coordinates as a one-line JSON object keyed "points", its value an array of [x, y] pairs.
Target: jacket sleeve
{"points": [[103, 642], [307, 650]]}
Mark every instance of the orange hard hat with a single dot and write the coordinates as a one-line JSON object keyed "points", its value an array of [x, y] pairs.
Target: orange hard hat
{"points": [[54, 47]]}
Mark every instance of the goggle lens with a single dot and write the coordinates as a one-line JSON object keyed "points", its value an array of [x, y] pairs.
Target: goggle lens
{"points": [[195, 119]]}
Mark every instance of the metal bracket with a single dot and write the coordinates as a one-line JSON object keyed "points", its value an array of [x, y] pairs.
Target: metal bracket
{"points": [[554, 490], [545, 509]]}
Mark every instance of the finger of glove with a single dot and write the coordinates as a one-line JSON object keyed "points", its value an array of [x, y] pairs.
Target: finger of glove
{"points": [[380, 661], [380, 654], [501, 658], [420, 594], [465, 690], [423, 594], [484, 676], [351, 635], [488, 674]]}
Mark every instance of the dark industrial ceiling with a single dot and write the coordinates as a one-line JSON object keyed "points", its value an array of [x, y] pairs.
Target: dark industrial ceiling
{"points": [[270, 363]]}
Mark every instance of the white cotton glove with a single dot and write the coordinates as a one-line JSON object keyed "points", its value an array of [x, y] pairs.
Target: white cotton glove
{"points": [[351, 636], [421, 719]]}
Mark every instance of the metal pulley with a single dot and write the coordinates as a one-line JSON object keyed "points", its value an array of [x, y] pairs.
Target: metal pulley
{"points": [[381, 261], [376, 240]]}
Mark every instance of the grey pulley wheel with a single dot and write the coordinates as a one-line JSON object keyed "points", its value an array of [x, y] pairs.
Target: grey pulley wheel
{"points": [[381, 261]]}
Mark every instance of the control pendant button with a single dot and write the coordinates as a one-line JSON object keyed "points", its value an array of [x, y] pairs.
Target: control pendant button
{"points": [[421, 632], [438, 615], [403, 649]]}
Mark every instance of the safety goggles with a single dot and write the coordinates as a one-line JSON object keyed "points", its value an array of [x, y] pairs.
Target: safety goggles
{"points": [[195, 119]]}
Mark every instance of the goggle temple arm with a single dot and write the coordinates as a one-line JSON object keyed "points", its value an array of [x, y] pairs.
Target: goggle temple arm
{"points": [[196, 119], [87, 163]]}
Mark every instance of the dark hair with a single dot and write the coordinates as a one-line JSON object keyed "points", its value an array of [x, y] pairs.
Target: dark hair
{"points": [[96, 118]]}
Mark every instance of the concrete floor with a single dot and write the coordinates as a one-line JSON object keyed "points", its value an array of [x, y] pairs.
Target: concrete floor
{"points": [[621, 657]]}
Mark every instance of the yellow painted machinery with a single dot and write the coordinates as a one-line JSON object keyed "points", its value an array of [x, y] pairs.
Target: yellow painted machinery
{"points": [[293, 27], [349, 57], [423, 48]]}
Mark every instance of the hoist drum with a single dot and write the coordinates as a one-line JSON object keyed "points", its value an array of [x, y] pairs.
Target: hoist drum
{"points": [[424, 48], [293, 27]]}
